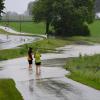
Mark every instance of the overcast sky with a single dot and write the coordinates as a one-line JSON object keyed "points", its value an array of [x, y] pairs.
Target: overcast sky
{"points": [[18, 6]]}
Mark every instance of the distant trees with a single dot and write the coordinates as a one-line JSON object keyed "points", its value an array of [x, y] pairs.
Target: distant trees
{"points": [[30, 7], [1, 7], [66, 17], [43, 11], [97, 6]]}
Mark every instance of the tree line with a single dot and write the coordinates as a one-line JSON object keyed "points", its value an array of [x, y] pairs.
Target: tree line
{"points": [[62, 17]]}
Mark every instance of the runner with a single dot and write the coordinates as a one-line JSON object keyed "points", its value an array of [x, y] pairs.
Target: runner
{"points": [[30, 58]]}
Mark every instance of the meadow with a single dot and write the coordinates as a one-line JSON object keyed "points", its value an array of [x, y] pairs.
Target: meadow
{"points": [[85, 69], [95, 28], [39, 28], [27, 27]]}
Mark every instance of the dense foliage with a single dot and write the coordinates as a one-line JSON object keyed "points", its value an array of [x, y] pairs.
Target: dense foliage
{"points": [[1, 7], [67, 17]]}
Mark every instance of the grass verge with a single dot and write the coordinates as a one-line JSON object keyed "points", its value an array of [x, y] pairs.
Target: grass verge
{"points": [[27, 27], [46, 45], [85, 70], [8, 90]]}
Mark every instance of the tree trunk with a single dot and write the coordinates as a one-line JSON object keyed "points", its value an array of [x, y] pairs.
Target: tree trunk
{"points": [[47, 27]]}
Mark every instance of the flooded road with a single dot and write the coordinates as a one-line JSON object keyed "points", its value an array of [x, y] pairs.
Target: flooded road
{"points": [[12, 41], [51, 84]]}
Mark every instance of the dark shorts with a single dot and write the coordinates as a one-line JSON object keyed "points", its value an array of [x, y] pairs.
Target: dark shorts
{"points": [[37, 63], [30, 61]]}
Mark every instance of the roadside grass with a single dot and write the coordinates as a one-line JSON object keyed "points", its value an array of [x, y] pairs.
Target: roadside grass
{"points": [[46, 45], [84, 40], [27, 27], [85, 69], [95, 28], [8, 90], [3, 32]]}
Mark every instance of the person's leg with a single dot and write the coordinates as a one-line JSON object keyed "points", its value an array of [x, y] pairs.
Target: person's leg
{"points": [[36, 69], [39, 69], [30, 64]]}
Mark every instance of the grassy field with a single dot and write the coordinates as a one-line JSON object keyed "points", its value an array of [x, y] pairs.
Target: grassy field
{"points": [[85, 70], [31, 27], [95, 28], [8, 90], [28, 27]]}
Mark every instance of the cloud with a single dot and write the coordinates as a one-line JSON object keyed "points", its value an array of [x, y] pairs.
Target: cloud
{"points": [[18, 6]]}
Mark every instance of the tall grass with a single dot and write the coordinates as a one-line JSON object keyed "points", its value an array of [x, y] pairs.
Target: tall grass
{"points": [[8, 90], [85, 69]]}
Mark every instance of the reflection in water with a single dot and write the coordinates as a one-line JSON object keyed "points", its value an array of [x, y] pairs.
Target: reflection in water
{"points": [[31, 86], [30, 71], [53, 88], [31, 82], [12, 41], [58, 62], [38, 76]]}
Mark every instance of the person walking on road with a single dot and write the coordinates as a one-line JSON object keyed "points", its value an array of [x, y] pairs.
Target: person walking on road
{"points": [[30, 58], [37, 57]]}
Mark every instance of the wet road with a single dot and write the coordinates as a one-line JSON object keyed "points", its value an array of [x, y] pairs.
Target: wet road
{"points": [[51, 84], [12, 41]]}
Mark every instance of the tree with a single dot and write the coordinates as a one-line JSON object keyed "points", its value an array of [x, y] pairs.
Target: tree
{"points": [[42, 11], [67, 17], [73, 17], [30, 7], [97, 6], [1, 7]]}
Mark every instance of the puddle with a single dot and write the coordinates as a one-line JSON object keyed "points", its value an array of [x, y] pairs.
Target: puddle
{"points": [[12, 41]]}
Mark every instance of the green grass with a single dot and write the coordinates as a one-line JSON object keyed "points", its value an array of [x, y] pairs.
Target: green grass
{"points": [[31, 27], [8, 90], [95, 28], [46, 45], [28, 27], [85, 70]]}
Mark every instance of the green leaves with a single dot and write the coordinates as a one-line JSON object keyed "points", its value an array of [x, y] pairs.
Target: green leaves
{"points": [[1, 7], [67, 17]]}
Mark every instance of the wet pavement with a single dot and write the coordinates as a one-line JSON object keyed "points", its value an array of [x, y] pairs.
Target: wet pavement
{"points": [[51, 84], [12, 41]]}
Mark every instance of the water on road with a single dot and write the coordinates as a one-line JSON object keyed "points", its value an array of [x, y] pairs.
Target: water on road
{"points": [[11, 41], [51, 84]]}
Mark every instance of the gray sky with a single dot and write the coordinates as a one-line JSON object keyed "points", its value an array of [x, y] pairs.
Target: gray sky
{"points": [[18, 6]]}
